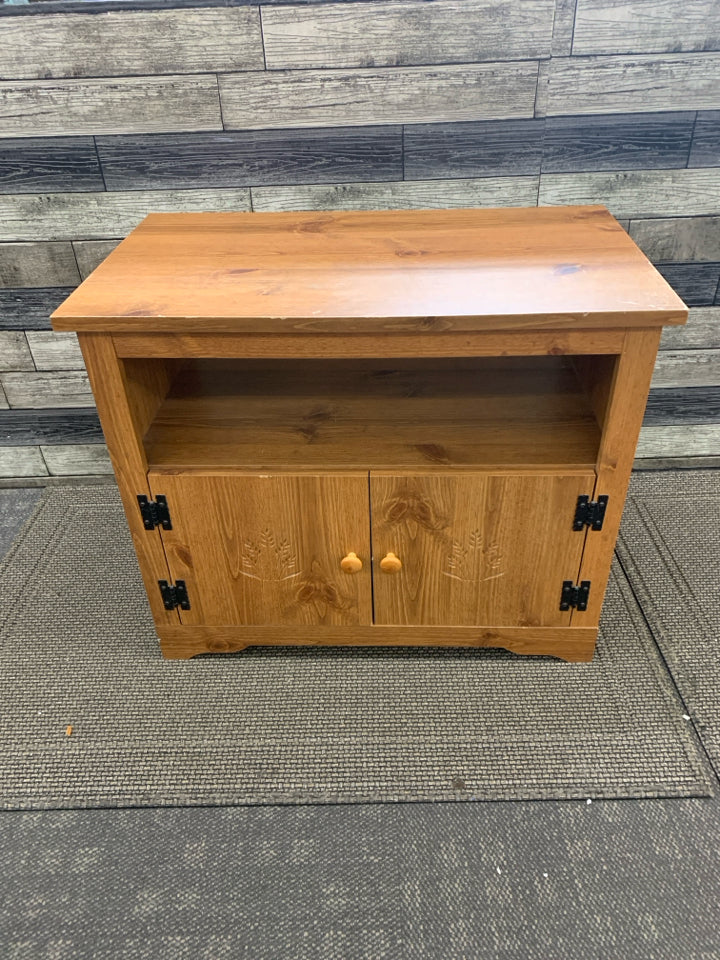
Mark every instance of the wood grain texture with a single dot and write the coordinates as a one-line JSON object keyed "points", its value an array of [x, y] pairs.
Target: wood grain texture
{"points": [[37, 265], [530, 266], [407, 195], [682, 440], [687, 368], [77, 460], [3, 400], [91, 253], [30, 308], [571, 644], [617, 142], [405, 33], [638, 193], [689, 405], [14, 351], [267, 549], [701, 331], [132, 42], [563, 27], [634, 84], [53, 389], [89, 216], [55, 164], [242, 159], [636, 26], [695, 283], [63, 426], [492, 148], [465, 549], [705, 149], [321, 98], [22, 462], [678, 238], [33, 108], [55, 351]]}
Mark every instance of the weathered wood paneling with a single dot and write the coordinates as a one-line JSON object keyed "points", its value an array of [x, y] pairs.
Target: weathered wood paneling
{"points": [[682, 368], [684, 405], [638, 193], [705, 151], [678, 238], [563, 27], [682, 440], [14, 351], [417, 194], [3, 400], [67, 216], [639, 26], [37, 390], [55, 164], [491, 148], [37, 265], [31, 108], [77, 460], [637, 84], [316, 98], [30, 308], [22, 462], [696, 283], [91, 253], [131, 42], [55, 351], [241, 159], [394, 34], [617, 142], [701, 330], [32, 427]]}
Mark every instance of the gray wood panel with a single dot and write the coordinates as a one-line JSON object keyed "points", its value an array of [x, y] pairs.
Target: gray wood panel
{"points": [[406, 33], [252, 158], [14, 351], [701, 330], [681, 368], [64, 426], [639, 26], [638, 193], [3, 399], [705, 150], [30, 308], [563, 27], [410, 194], [695, 283], [131, 42], [678, 238], [634, 84], [55, 164], [31, 108], [76, 460], [617, 142], [317, 98], [91, 253], [681, 440], [684, 405], [67, 216], [38, 265], [55, 351], [492, 148], [22, 462], [38, 390]]}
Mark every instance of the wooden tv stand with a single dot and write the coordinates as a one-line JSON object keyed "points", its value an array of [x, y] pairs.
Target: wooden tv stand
{"points": [[399, 427]]}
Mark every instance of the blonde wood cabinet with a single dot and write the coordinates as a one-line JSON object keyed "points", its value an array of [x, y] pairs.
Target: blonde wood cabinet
{"points": [[399, 427]]}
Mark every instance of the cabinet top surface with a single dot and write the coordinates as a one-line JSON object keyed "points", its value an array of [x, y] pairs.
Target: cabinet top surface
{"points": [[540, 266]]}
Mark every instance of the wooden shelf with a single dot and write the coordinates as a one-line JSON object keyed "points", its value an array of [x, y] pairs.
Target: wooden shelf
{"points": [[326, 415]]}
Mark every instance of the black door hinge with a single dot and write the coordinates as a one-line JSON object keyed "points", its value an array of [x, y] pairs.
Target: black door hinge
{"points": [[174, 595], [590, 513], [574, 596], [155, 513]]}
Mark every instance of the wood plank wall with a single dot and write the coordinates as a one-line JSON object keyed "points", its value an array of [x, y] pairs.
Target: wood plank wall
{"points": [[106, 114]]}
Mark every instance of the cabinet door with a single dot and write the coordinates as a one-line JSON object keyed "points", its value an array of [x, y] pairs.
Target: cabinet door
{"points": [[475, 549], [257, 549]]}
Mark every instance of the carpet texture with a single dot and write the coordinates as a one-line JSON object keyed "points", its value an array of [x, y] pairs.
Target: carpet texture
{"points": [[302, 725], [670, 549]]}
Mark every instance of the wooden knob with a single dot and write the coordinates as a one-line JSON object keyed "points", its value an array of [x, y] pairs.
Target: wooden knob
{"points": [[390, 563], [351, 563]]}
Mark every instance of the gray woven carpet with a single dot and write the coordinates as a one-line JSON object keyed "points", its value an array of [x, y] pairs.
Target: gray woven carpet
{"points": [[297, 725], [670, 549]]}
